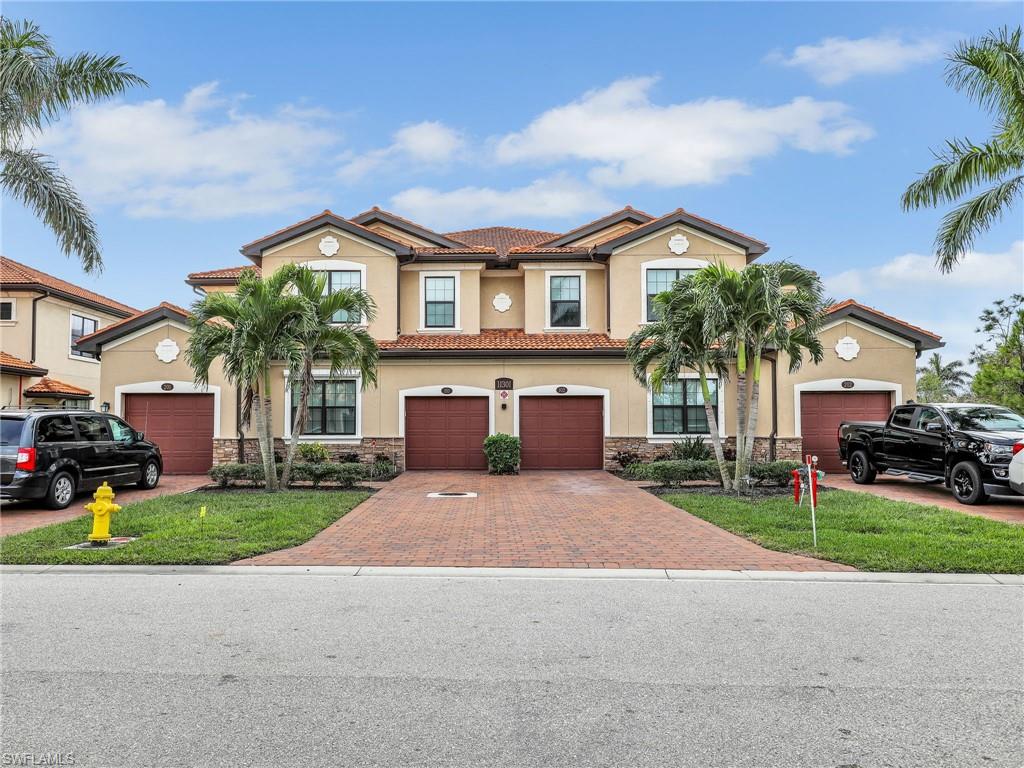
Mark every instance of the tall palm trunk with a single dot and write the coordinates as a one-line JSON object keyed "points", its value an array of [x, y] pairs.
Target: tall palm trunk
{"points": [[261, 435], [716, 438], [741, 409], [270, 462], [298, 421], [755, 394]]}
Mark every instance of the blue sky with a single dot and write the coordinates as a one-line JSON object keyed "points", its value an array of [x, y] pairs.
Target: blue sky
{"points": [[797, 123]]}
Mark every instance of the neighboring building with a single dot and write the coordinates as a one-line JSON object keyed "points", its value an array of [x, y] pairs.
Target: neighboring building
{"points": [[502, 329], [41, 318]]}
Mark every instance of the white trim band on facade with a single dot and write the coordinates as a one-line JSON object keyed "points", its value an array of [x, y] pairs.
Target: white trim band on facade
{"points": [[178, 388], [571, 390], [836, 385], [434, 390], [720, 418]]}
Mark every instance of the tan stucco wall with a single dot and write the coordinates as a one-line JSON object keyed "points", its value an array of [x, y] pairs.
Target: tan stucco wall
{"points": [[381, 271], [135, 361], [469, 296], [11, 386], [879, 359], [625, 272], [495, 282]]}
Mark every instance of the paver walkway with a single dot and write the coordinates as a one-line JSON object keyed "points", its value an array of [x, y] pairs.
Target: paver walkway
{"points": [[536, 519], [1006, 509], [16, 517]]}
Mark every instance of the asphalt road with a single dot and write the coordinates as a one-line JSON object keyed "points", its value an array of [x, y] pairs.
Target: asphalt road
{"points": [[263, 670]]}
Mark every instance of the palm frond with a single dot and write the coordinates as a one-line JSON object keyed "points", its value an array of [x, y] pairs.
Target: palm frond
{"points": [[963, 224], [962, 167]]}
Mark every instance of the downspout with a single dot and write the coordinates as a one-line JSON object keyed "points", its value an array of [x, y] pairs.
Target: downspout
{"points": [[607, 294], [775, 407], [36, 300], [398, 297]]}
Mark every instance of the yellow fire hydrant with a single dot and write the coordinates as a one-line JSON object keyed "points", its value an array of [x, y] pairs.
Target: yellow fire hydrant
{"points": [[102, 508]]}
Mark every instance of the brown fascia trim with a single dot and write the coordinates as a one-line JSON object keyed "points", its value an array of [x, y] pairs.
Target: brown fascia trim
{"points": [[435, 257], [499, 353], [254, 251], [608, 221], [200, 282], [35, 371], [413, 229], [580, 256], [98, 339], [920, 340], [752, 248], [56, 292]]}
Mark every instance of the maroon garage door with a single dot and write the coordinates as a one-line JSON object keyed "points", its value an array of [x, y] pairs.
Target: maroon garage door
{"points": [[445, 432], [821, 412], [562, 432], [182, 425]]}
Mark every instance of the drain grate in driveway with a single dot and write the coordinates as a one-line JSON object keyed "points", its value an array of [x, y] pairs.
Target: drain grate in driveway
{"points": [[451, 495]]}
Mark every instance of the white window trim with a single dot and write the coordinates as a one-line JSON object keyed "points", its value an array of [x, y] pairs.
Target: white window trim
{"points": [[667, 438], [674, 263], [14, 311], [836, 385], [457, 390], [179, 388], [457, 328], [71, 323], [325, 373], [571, 390], [340, 265], [582, 275]]}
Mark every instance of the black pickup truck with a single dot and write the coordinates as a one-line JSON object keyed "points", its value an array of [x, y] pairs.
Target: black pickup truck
{"points": [[966, 446]]}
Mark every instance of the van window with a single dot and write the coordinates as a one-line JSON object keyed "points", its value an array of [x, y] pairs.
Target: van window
{"points": [[121, 431], [901, 417], [10, 432], [55, 429], [91, 429]]}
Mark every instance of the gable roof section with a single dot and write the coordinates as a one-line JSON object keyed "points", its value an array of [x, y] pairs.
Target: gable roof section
{"points": [[502, 239], [17, 276], [11, 364], [629, 213], [161, 312], [411, 227], [224, 276], [47, 387], [255, 249], [921, 338], [751, 246]]}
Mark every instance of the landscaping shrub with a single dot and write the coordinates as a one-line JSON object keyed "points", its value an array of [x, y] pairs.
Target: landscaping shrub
{"points": [[691, 448], [502, 453], [773, 472], [349, 458], [672, 472], [382, 466], [343, 475], [626, 458], [314, 453]]}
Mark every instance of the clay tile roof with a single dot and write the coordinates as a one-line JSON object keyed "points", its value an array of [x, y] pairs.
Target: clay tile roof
{"points": [[505, 339], [107, 328], [547, 249], [380, 211], [48, 386], [14, 274], [225, 273], [622, 212], [502, 239], [854, 303], [457, 251], [16, 364]]}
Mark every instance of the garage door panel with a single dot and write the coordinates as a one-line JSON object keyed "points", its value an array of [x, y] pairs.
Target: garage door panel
{"points": [[822, 412], [562, 432], [446, 432], [181, 425]]}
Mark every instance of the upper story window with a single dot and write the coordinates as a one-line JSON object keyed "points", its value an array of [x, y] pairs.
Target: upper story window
{"points": [[331, 409], [8, 310], [567, 306], [659, 281], [439, 301], [679, 408], [338, 280], [82, 326]]}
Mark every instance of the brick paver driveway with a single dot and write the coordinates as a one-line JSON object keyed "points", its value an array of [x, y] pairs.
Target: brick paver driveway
{"points": [[16, 517], [536, 519]]}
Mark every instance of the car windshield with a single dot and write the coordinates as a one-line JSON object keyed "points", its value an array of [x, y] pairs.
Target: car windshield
{"points": [[10, 433], [985, 419]]}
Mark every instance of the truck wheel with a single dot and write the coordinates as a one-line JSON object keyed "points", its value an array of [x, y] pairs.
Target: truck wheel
{"points": [[61, 492], [966, 483], [860, 468]]}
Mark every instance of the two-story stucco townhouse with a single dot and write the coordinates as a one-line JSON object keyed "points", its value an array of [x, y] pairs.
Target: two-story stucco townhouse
{"points": [[502, 329], [41, 318]]}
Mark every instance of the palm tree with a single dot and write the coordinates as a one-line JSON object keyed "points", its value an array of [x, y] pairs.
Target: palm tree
{"points": [[247, 331], [674, 341], [990, 71], [36, 87], [773, 306], [942, 381], [344, 344]]}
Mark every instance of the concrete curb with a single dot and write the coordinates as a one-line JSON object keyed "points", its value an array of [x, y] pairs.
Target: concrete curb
{"points": [[655, 574]]}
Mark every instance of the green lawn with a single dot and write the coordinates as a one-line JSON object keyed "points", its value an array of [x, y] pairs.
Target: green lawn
{"points": [[237, 524], [868, 532]]}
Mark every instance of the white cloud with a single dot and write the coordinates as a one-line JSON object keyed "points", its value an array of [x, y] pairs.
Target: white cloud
{"points": [[428, 143], [555, 198], [911, 288], [633, 141], [837, 59], [204, 158]]}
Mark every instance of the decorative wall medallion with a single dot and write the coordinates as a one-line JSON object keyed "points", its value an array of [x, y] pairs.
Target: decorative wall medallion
{"points": [[329, 245], [847, 348], [678, 244], [167, 351], [502, 302]]}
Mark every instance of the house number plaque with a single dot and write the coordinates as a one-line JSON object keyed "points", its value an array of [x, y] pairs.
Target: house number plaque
{"points": [[503, 383]]}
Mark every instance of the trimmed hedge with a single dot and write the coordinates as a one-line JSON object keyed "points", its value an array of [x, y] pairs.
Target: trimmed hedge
{"points": [[342, 475], [503, 453], [774, 472], [691, 470]]}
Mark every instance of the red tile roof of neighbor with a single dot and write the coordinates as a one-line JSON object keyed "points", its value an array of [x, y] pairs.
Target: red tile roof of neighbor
{"points": [[14, 274], [48, 386], [505, 339], [130, 318], [16, 363], [502, 239], [226, 272], [855, 303]]}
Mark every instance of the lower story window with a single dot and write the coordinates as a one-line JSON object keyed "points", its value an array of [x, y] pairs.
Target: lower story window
{"points": [[679, 408], [331, 409]]}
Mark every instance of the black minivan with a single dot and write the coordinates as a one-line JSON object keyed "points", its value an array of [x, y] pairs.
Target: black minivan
{"points": [[53, 454]]}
